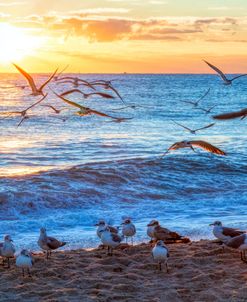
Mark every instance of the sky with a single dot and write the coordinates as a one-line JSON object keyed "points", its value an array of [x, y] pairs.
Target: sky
{"points": [[115, 36]]}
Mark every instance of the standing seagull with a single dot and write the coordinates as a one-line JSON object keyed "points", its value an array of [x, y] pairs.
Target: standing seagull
{"points": [[222, 75], [25, 261], [196, 103], [35, 91], [7, 249], [111, 240], [231, 115], [128, 229], [161, 253], [48, 243], [200, 144], [240, 243], [194, 131], [102, 225], [224, 233]]}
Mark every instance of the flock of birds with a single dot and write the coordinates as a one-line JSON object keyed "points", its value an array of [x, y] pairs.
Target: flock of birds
{"points": [[111, 238], [108, 86]]}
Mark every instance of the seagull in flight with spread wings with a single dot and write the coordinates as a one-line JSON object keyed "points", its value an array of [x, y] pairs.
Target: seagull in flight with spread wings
{"points": [[196, 103], [222, 75], [197, 143], [195, 130], [88, 111], [35, 91]]}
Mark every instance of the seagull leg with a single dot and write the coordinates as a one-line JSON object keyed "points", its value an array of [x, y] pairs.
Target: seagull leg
{"points": [[23, 273], [159, 265], [47, 255], [193, 149], [8, 263], [167, 269], [108, 250], [132, 240], [29, 273]]}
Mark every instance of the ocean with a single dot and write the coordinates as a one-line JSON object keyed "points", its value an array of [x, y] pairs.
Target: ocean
{"points": [[66, 175]]}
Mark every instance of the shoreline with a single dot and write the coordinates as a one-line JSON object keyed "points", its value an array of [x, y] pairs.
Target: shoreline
{"points": [[198, 271]]}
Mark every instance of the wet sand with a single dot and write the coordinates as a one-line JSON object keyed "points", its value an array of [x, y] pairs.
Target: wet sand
{"points": [[199, 271]]}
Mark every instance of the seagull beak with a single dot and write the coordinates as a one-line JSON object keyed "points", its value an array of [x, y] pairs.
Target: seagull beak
{"points": [[211, 224], [149, 224], [96, 224]]}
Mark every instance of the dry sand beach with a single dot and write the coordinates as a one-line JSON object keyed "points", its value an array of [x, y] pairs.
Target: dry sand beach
{"points": [[199, 271]]}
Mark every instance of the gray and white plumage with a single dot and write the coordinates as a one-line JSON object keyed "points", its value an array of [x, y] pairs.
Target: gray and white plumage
{"points": [[160, 253], [25, 261], [111, 240], [224, 233], [240, 243], [128, 229], [48, 243], [7, 249]]}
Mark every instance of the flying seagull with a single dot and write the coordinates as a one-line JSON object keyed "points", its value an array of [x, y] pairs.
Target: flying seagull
{"points": [[198, 143], [35, 91], [195, 104], [87, 95], [87, 111], [222, 75], [108, 86], [231, 115], [23, 113], [194, 131]]}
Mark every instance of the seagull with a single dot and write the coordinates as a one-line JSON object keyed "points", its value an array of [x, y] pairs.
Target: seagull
{"points": [[23, 113], [108, 86], [25, 261], [128, 229], [88, 111], [75, 81], [87, 95], [207, 111], [102, 225], [197, 102], [222, 75], [223, 233], [161, 253], [198, 143], [160, 233], [35, 91], [194, 131], [48, 243], [111, 240], [7, 249], [240, 243], [231, 115], [57, 111], [132, 107]]}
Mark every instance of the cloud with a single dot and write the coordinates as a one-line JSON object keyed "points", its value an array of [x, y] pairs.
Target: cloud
{"points": [[4, 4]]}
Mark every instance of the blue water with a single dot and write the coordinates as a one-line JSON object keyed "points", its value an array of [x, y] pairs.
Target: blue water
{"points": [[67, 175]]}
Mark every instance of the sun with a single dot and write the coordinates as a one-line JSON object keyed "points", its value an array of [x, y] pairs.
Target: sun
{"points": [[16, 43]]}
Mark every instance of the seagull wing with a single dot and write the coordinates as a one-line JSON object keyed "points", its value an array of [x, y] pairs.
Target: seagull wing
{"points": [[103, 95], [222, 75], [242, 75], [36, 103], [105, 115], [188, 102], [231, 115], [202, 97], [46, 82], [69, 102], [72, 91], [182, 126], [50, 106], [207, 146], [66, 78], [62, 71], [208, 126], [28, 78]]}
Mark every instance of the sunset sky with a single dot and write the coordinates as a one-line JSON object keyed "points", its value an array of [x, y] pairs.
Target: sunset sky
{"points": [[152, 36]]}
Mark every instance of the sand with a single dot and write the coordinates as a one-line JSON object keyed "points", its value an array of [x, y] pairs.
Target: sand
{"points": [[199, 271]]}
